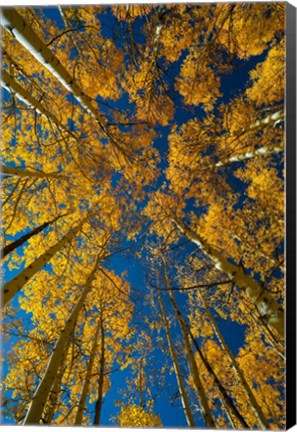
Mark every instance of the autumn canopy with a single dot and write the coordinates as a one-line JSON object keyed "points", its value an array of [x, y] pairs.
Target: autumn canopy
{"points": [[143, 215]]}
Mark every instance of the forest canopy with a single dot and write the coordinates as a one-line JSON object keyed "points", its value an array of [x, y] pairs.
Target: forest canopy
{"points": [[143, 215]]}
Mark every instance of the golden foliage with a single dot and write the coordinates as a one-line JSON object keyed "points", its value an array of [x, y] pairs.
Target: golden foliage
{"points": [[136, 416]]}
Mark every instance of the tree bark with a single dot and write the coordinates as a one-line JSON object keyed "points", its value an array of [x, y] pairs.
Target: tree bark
{"points": [[226, 399], [98, 405], [181, 387], [25, 173], [269, 120], [19, 242], [28, 99], [86, 385], [15, 23], [263, 423], [16, 284], [261, 298], [205, 410], [140, 384], [53, 397], [40, 397]]}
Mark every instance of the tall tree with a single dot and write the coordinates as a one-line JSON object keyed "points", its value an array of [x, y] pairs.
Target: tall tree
{"points": [[19, 242], [16, 284], [179, 378], [264, 302], [204, 405], [37, 405]]}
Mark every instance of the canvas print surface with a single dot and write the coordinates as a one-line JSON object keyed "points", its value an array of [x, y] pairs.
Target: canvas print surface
{"points": [[143, 215]]}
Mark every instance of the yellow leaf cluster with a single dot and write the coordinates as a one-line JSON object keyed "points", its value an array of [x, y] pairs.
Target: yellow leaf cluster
{"points": [[136, 416]]}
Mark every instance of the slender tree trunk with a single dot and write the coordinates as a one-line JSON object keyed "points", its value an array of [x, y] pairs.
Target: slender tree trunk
{"points": [[28, 99], [261, 298], [228, 412], [19, 242], [226, 399], [25, 173], [68, 26], [270, 337], [99, 402], [140, 384], [205, 410], [270, 120], [53, 397], [264, 150], [40, 397], [15, 23], [181, 387], [238, 372], [16, 284], [258, 251], [86, 385]]}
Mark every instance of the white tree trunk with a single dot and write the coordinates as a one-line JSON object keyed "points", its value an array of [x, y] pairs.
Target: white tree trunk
{"points": [[181, 387], [16, 284], [40, 397], [238, 372], [265, 150], [86, 385], [29, 100], [261, 298], [225, 398], [270, 120], [15, 23], [205, 410]]}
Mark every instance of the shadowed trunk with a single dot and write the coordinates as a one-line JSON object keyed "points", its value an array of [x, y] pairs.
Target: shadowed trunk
{"points": [[205, 410], [86, 385], [19, 242], [41, 395], [16, 284], [178, 374], [98, 406], [238, 372]]}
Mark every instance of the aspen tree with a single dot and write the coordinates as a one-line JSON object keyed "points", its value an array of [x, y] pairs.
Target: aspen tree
{"points": [[14, 171], [178, 374], [53, 397], [30, 100], [248, 391], [16, 284], [15, 23], [20, 241], [86, 385], [271, 121], [140, 367], [99, 401], [40, 397], [261, 151], [67, 25], [261, 298], [225, 398], [205, 410]]}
